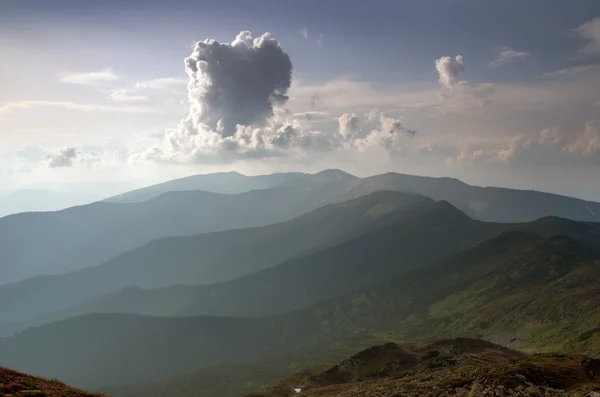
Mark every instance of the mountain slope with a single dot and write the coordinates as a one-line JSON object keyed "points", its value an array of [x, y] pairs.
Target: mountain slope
{"points": [[220, 182], [13, 383], [485, 203], [518, 288], [78, 237], [451, 367], [425, 233], [418, 237], [208, 258], [511, 276]]}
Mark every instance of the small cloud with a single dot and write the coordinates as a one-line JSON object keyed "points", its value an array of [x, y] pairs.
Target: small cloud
{"points": [[169, 84], [104, 77], [64, 158], [507, 55], [590, 32], [304, 32], [124, 95], [449, 71]]}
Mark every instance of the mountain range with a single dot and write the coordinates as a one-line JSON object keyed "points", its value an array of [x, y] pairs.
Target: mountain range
{"points": [[196, 293]]}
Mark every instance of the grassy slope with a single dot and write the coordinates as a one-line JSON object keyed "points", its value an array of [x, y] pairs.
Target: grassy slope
{"points": [[14, 383], [517, 288], [451, 367]]}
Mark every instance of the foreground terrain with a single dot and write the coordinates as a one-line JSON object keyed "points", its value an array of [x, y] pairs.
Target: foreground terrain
{"points": [[451, 367], [14, 383]]}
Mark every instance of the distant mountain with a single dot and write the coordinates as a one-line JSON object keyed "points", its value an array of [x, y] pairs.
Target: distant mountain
{"points": [[51, 243], [206, 258], [484, 203], [425, 232], [416, 238], [57, 242], [28, 200], [13, 383], [519, 286], [221, 182]]}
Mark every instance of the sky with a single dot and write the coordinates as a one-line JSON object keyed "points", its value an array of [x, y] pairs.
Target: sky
{"points": [[101, 96]]}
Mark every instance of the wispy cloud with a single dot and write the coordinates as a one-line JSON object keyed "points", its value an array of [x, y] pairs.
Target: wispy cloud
{"points": [[101, 78], [20, 105], [163, 84], [572, 71], [590, 32], [123, 95], [304, 32], [507, 55]]}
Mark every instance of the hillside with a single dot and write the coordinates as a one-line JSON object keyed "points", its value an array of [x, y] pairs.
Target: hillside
{"points": [[220, 182], [203, 259], [513, 276], [15, 384], [424, 234], [419, 237], [533, 293], [79, 237], [58, 242], [484, 203], [451, 367]]}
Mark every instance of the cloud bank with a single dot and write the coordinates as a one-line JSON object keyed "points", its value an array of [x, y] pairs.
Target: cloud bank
{"points": [[237, 96]]}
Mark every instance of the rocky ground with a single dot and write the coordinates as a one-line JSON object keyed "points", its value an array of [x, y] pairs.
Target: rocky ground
{"points": [[456, 367]]}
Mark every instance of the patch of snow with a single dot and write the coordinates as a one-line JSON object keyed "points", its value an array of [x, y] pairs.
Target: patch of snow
{"points": [[590, 210]]}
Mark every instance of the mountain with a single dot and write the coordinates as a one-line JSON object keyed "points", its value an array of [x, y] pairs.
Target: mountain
{"points": [[519, 286], [57, 242], [424, 234], [13, 383], [427, 231], [484, 203], [449, 367], [207, 258], [492, 204], [28, 200], [221, 182]]}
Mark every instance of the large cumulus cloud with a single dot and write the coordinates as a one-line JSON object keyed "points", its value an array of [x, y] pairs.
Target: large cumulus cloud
{"points": [[237, 95]]}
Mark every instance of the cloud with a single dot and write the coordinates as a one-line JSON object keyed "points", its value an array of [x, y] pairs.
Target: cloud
{"points": [[376, 130], [572, 71], [237, 95], [64, 158], [590, 32], [449, 71], [101, 78], [506, 56], [348, 125], [304, 32], [20, 105], [587, 143], [124, 95], [550, 146], [168, 84], [237, 83]]}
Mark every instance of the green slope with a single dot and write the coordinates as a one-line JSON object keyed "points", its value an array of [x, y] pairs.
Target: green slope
{"points": [[518, 288]]}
